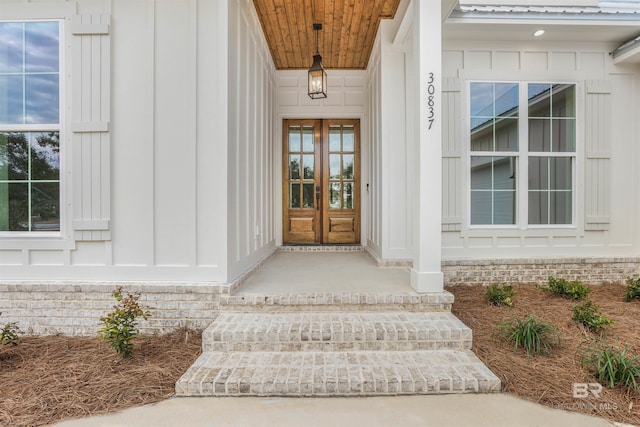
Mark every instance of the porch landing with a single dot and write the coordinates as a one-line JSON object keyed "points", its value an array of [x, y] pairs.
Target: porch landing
{"points": [[334, 324]]}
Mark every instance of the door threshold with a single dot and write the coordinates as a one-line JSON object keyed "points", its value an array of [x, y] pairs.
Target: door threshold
{"points": [[288, 247]]}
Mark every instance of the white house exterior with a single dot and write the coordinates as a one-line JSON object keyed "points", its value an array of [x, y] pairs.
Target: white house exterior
{"points": [[163, 144]]}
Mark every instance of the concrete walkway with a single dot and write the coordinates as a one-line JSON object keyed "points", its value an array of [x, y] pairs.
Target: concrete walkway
{"points": [[454, 410]]}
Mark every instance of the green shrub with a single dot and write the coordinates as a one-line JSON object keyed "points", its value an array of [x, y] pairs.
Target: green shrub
{"points": [[500, 294], [9, 334], [567, 289], [589, 315], [534, 336], [612, 366], [120, 326], [633, 289]]}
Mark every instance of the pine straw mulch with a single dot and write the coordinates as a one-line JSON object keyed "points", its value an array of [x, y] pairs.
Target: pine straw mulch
{"points": [[47, 379], [549, 380]]}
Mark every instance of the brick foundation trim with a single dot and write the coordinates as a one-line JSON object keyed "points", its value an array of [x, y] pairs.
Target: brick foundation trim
{"points": [[537, 270]]}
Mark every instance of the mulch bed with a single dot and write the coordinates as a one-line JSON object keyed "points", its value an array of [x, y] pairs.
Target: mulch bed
{"points": [[549, 380], [48, 379]]}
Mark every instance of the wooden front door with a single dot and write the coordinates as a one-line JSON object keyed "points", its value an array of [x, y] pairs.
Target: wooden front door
{"points": [[321, 181]]}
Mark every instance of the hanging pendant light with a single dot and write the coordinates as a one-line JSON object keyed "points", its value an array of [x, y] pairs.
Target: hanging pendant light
{"points": [[317, 74]]}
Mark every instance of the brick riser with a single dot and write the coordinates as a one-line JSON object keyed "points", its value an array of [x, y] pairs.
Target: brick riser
{"points": [[336, 332], [364, 373]]}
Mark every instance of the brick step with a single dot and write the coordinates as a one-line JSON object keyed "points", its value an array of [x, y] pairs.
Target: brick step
{"points": [[340, 373], [327, 301], [336, 331]]}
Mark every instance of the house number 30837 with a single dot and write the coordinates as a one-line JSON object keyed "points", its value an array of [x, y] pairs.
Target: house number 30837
{"points": [[431, 102]]}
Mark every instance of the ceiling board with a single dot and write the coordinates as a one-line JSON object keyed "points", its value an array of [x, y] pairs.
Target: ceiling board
{"points": [[345, 42]]}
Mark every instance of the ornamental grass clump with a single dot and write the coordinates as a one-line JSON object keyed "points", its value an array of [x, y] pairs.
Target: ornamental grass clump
{"points": [[534, 336], [566, 289], [612, 366], [120, 326], [589, 315], [500, 294]]}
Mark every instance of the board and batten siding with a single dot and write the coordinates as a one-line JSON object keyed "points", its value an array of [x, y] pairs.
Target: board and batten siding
{"points": [[251, 209], [603, 181]]}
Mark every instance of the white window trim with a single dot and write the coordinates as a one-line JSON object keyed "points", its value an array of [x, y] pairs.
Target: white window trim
{"points": [[7, 236], [522, 155]]}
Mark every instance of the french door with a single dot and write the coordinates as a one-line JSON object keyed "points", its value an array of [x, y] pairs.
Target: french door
{"points": [[321, 181]]}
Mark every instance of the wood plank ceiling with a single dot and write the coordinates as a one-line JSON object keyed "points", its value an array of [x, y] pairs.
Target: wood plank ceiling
{"points": [[345, 42]]}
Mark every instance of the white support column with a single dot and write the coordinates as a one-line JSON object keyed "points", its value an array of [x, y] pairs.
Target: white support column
{"points": [[426, 275]]}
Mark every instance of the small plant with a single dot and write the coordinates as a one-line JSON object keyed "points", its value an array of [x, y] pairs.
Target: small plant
{"points": [[120, 326], [534, 336], [500, 294], [633, 289], [589, 315], [9, 334], [564, 288], [612, 366]]}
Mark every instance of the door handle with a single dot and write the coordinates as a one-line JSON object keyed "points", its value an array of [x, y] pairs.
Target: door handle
{"points": [[318, 198]]}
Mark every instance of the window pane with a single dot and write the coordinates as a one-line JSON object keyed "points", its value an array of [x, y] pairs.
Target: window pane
{"points": [[481, 99], [45, 156], [504, 207], [563, 98], [41, 53], [560, 174], [539, 100], [538, 207], [307, 139], [294, 166], [308, 163], [45, 206], [481, 173], [540, 135], [482, 134], [504, 173], [14, 156], [307, 195], [538, 173], [561, 207], [481, 207], [334, 138], [334, 195], [334, 166], [348, 139], [506, 100], [294, 195], [347, 199], [506, 135], [564, 135], [11, 47], [11, 100], [42, 98], [294, 138], [14, 209], [347, 166]]}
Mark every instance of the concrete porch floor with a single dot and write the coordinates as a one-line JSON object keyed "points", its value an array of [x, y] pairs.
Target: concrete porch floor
{"points": [[312, 272]]}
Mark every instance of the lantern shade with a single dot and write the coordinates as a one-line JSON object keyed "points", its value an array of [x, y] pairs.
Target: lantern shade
{"points": [[317, 79]]}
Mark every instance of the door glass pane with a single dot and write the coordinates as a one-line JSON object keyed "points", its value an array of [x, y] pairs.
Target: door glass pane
{"points": [[307, 139], [347, 166], [334, 138], [334, 195], [307, 195], [294, 195], [334, 166], [307, 164], [348, 139], [294, 138], [294, 166], [347, 196]]}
